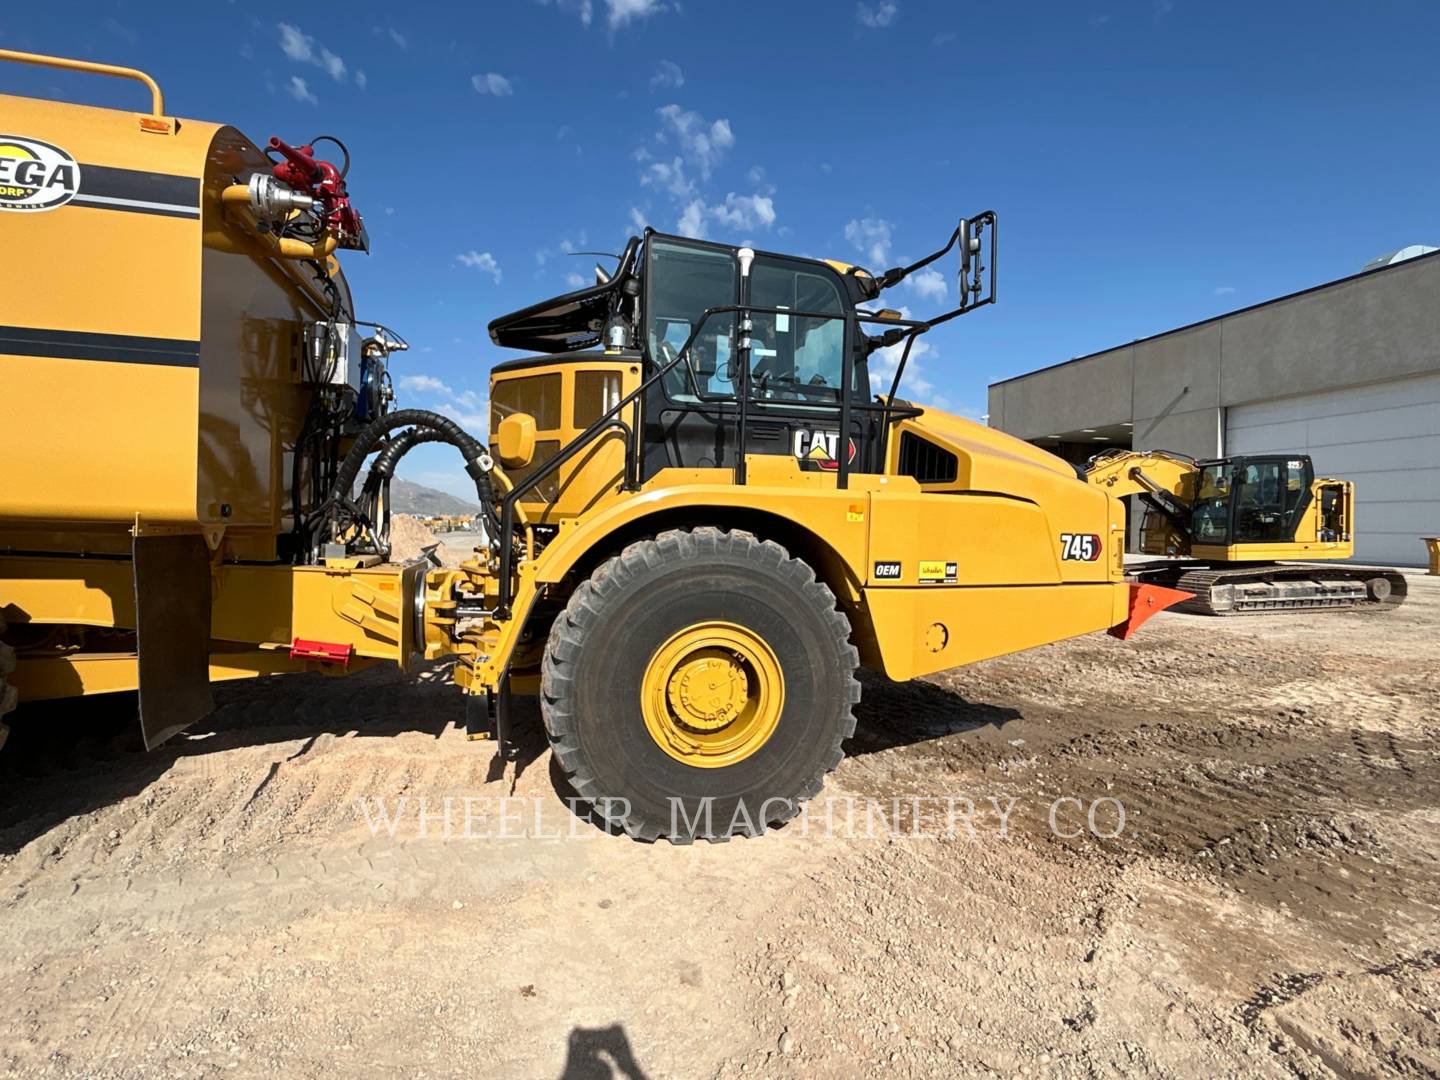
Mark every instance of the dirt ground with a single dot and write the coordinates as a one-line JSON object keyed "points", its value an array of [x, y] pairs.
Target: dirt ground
{"points": [[255, 900]]}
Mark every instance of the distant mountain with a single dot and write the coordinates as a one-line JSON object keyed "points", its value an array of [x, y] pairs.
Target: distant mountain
{"points": [[411, 498]]}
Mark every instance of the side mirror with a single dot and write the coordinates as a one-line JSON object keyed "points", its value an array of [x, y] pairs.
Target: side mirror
{"points": [[515, 440], [977, 260]]}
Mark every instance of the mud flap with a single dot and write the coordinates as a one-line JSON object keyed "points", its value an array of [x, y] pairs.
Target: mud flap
{"points": [[172, 632], [1145, 601]]}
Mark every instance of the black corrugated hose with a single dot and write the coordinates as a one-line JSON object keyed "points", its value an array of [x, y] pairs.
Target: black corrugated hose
{"points": [[441, 429]]}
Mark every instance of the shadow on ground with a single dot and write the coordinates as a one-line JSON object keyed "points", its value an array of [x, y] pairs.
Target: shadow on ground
{"points": [[892, 715], [601, 1054], [74, 757]]}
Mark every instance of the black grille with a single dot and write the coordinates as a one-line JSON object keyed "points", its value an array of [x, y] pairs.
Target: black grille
{"points": [[925, 461]]}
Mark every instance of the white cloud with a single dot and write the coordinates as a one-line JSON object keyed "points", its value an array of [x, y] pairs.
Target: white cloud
{"points": [[576, 281], [476, 420], [469, 408], [618, 12], [566, 247], [582, 8], [304, 49], [624, 11], [1225, 290], [300, 91], [736, 212], [480, 260], [667, 74], [492, 83], [424, 384], [877, 16], [395, 36], [692, 221], [669, 176], [294, 44], [871, 237], [360, 79], [929, 284], [745, 211], [703, 145], [700, 146]]}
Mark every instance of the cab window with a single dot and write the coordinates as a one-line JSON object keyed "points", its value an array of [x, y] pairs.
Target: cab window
{"points": [[683, 280], [1269, 496], [795, 358], [1210, 515]]}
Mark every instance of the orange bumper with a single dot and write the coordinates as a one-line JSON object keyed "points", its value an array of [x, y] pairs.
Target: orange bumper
{"points": [[1145, 601]]}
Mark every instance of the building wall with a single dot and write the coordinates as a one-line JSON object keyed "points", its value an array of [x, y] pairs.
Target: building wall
{"points": [[1366, 331], [1380, 325]]}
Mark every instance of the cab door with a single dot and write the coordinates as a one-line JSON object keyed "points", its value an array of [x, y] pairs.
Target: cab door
{"points": [[801, 335]]}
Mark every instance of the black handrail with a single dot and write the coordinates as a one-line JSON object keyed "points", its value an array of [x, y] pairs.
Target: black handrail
{"points": [[610, 419]]}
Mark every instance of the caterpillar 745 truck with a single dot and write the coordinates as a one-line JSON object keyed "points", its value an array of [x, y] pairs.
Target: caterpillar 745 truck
{"points": [[697, 518]]}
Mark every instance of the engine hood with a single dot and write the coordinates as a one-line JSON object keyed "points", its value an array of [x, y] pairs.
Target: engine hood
{"points": [[990, 460]]}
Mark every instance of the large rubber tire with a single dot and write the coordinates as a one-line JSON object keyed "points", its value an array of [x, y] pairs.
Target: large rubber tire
{"points": [[601, 644]]}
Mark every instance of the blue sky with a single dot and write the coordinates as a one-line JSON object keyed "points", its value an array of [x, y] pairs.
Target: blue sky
{"points": [[1153, 162]]}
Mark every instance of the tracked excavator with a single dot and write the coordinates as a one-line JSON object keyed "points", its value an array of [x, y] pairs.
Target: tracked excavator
{"points": [[1241, 534], [697, 519]]}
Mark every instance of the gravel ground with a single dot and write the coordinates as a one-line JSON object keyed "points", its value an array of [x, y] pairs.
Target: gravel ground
{"points": [[255, 900]]}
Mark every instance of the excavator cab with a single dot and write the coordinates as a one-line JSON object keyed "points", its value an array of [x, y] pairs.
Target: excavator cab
{"points": [[1263, 500], [1230, 506]]}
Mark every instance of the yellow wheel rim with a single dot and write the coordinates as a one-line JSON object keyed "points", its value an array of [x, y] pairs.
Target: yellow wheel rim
{"points": [[712, 695]]}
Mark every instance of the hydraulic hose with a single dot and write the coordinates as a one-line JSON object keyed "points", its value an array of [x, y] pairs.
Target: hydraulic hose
{"points": [[444, 430], [382, 469], [388, 458]]}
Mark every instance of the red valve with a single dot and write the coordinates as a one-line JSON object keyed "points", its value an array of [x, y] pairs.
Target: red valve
{"points": [[303, 171]]}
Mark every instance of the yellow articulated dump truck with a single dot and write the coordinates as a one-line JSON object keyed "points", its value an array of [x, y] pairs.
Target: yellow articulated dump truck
{"points": [[697, 519]]}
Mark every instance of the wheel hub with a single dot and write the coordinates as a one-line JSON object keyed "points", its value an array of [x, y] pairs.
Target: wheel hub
{"points": [[708, 691], [712, 694]]}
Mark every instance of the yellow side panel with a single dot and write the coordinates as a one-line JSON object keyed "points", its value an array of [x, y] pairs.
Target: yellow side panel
{"points": [[1279, 552], [105, 271], [989, 540], [52, 677], [97, 441], [257, 605], [85, 592], [274, 605], [924, 630]]}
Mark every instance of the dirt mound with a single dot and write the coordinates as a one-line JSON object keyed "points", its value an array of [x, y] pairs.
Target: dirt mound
{"points": [[408, 538]]}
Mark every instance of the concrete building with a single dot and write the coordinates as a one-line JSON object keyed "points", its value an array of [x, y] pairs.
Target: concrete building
{"points": [[1347, 372]]}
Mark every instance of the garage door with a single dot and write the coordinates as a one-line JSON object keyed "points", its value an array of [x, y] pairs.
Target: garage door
{"points": [[1386, 438]]}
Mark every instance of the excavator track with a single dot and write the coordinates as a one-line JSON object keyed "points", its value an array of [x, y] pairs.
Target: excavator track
{"points": [[1270, 588]]}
